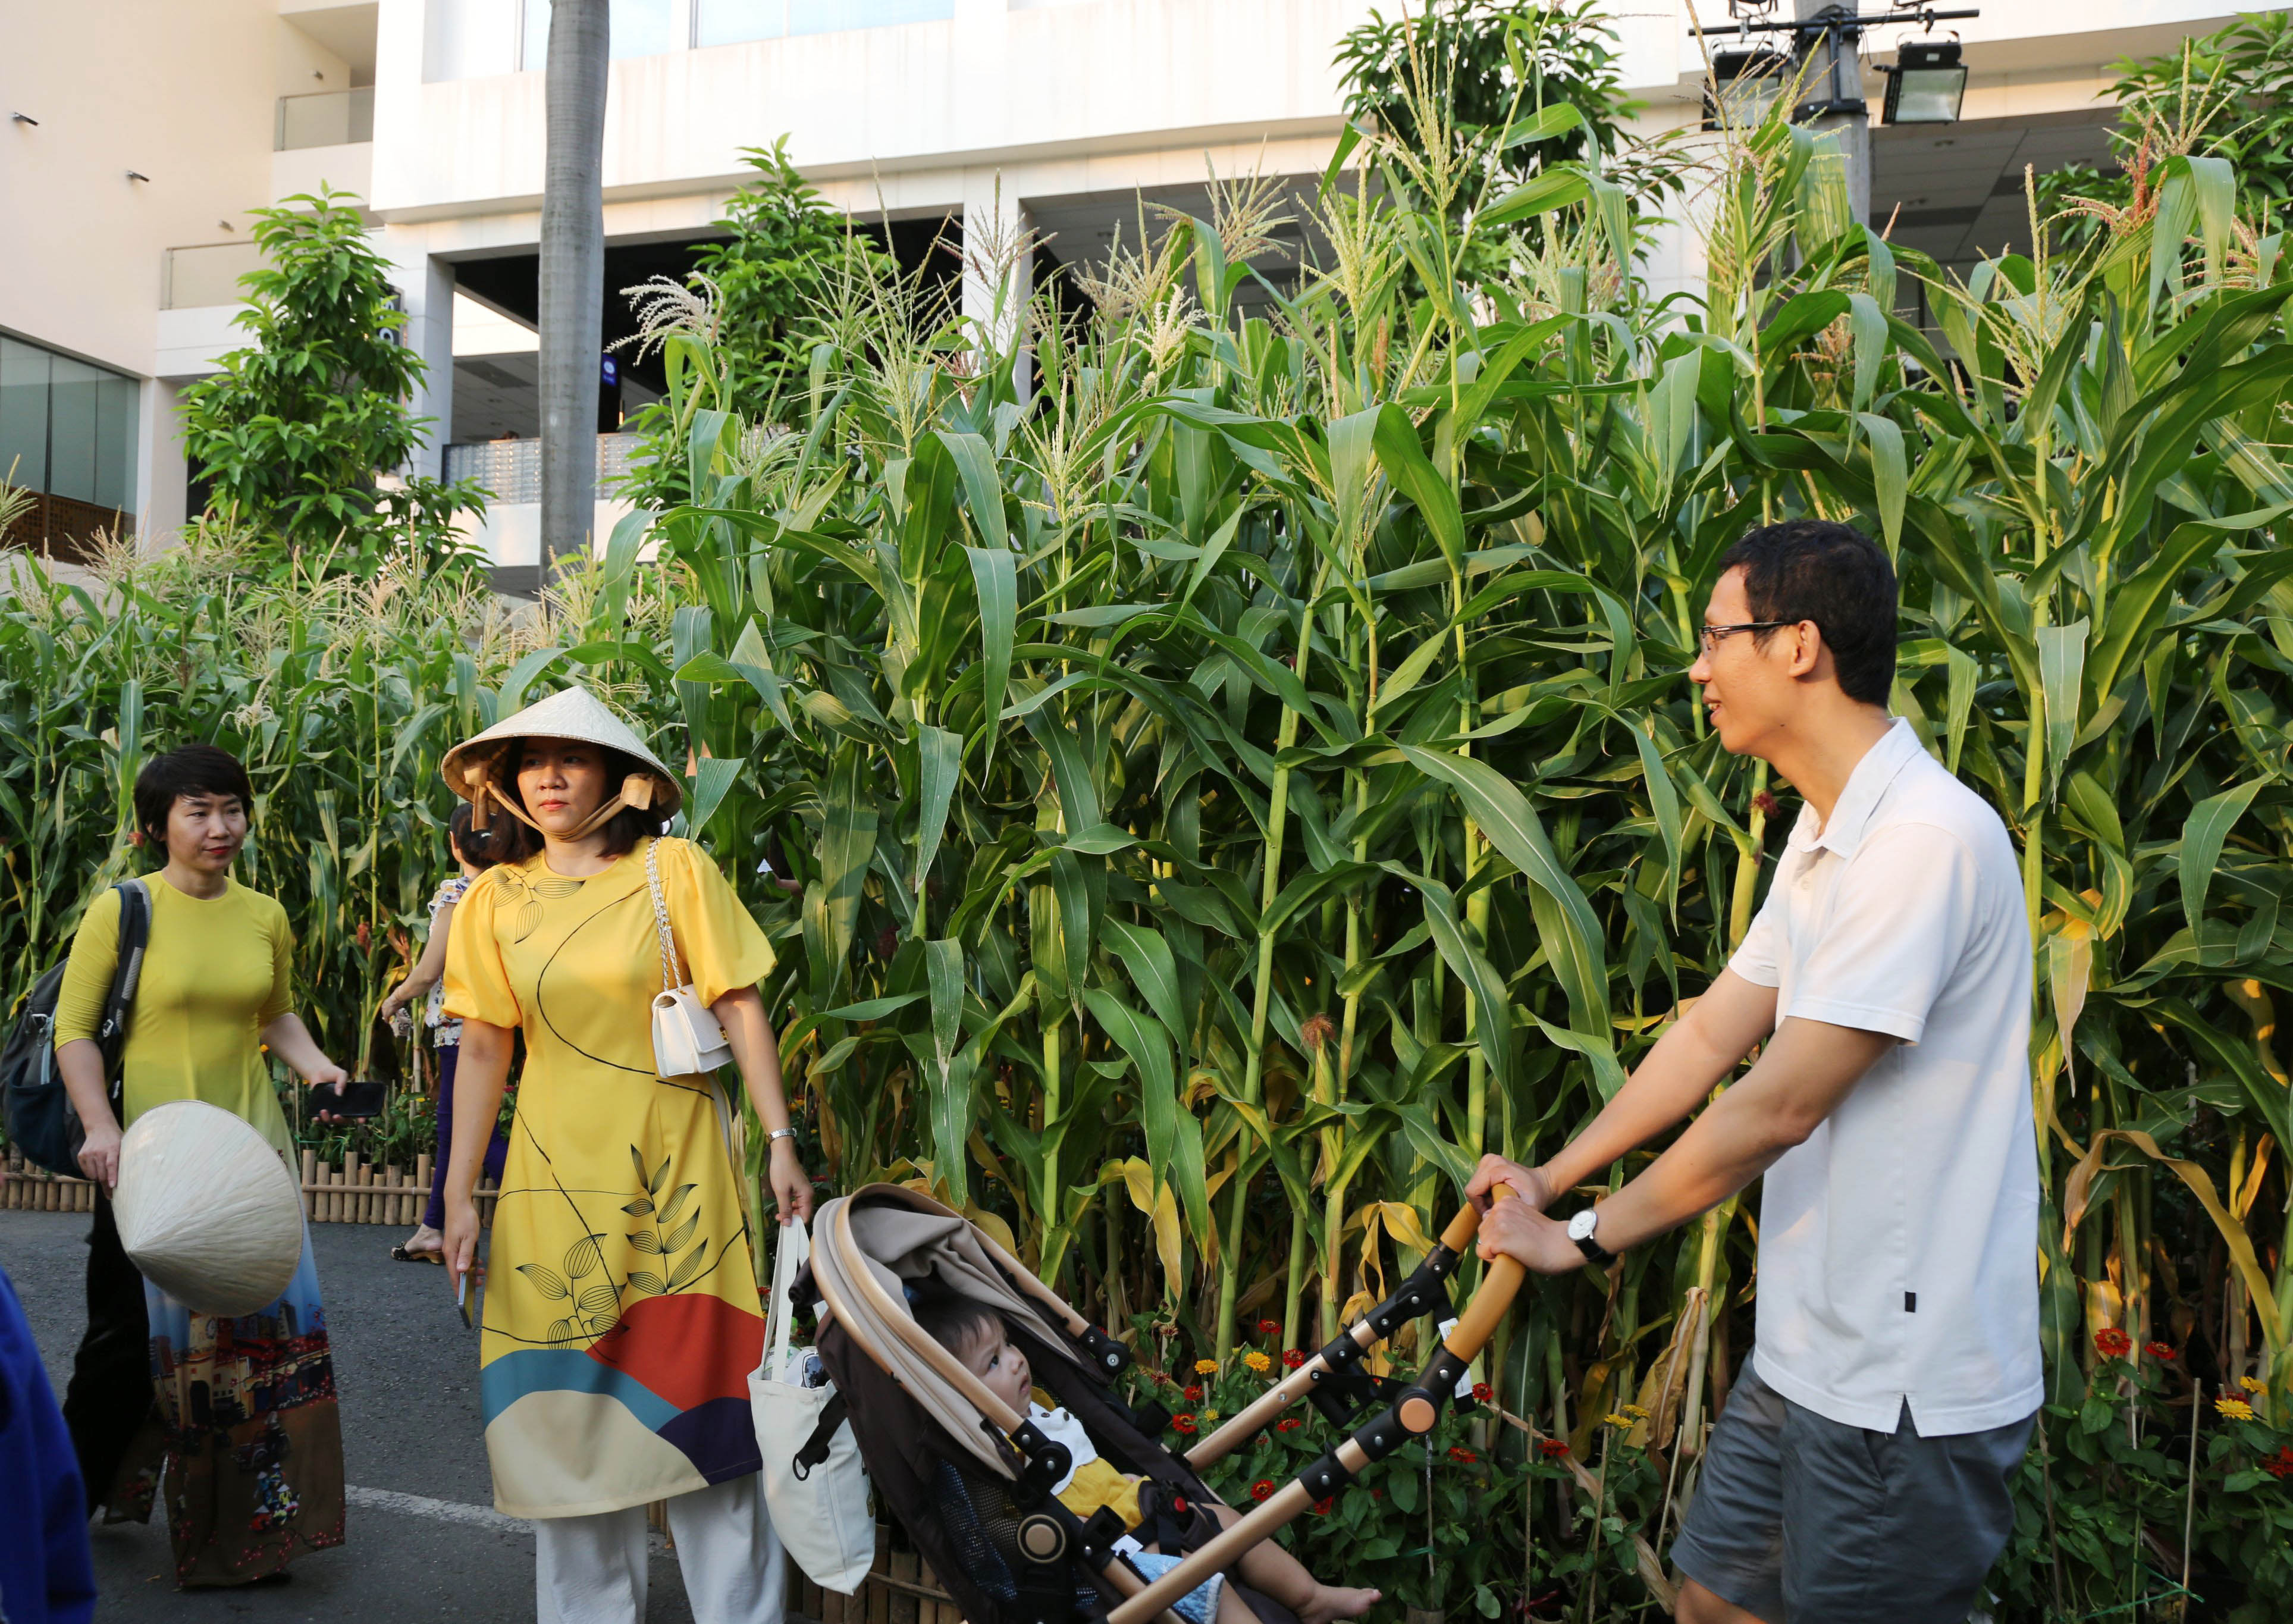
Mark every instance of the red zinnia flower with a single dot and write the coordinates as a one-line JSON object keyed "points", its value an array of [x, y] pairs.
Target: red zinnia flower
{"points": [[2112, 1343], [1291, 1360], [1194, 1395], [1267, 1328], [1480, 1393], [1553, 1449], [2159, 1350], [1185, 1423], [1262, 1490], [1463, 1457], [2280, 1465], [1288, 1424], [1321, 1508]]}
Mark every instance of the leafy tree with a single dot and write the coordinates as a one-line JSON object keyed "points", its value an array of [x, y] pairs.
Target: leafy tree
{"points": [[750, 300], [1493, 93], [2228, 96], [769, 274], [291, 432]]}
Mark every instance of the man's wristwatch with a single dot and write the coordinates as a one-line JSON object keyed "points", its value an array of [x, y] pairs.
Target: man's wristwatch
{"points": [[1580, 1230]]}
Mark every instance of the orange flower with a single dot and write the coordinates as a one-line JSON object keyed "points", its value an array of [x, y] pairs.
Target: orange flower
{"points": [[2159, 1350], [1185, 1423], [1262, 1490], [1464, 1457], [1258, 1361], [1194, 1395], [1553, 1449], [2112, 1343]]}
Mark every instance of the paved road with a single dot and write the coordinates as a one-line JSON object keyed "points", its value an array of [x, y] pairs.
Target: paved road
{"points": [[424, 1540]]}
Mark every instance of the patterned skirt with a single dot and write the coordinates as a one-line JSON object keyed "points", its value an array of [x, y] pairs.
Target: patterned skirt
{"points": [[249, 1445]]}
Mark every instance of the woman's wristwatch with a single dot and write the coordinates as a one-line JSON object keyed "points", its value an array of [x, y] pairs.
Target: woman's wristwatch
{"points": [[1580, 1230]]}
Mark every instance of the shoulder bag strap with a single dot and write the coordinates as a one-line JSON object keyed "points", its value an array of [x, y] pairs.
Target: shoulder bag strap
{"points": [[135, 939], [668, 981]]}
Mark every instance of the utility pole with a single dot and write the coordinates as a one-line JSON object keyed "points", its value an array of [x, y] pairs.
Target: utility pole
{"points": [[573, 279], [1832, 93]]}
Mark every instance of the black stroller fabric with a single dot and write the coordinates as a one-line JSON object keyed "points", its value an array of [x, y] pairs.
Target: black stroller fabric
{"points": [[964, 1520]]}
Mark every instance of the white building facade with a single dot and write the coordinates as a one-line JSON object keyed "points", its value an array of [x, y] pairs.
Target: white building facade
{"points": [[1058, 114]]}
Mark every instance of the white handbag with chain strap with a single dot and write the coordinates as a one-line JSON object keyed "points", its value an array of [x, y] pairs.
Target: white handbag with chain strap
{"points": [[687, 1038]]}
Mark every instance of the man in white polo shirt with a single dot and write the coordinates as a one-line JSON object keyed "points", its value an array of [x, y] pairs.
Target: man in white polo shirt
{"points": [[1860, 1472]]}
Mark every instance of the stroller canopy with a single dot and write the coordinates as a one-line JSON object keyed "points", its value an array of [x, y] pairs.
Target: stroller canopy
{"points": [[873, 1245]]}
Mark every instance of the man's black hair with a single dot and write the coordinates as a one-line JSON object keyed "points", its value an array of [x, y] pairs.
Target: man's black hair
{"points": [[1834, 575], [188, 769]]}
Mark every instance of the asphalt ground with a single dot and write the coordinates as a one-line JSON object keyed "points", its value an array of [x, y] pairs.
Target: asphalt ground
{"points": [[422, 1541]]}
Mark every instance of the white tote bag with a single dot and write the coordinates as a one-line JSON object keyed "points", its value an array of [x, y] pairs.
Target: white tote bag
{"points": [[822, 1516]]}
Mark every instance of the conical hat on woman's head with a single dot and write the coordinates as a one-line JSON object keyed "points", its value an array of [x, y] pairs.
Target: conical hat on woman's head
{"points": [[571, 714], [207, 1210]]}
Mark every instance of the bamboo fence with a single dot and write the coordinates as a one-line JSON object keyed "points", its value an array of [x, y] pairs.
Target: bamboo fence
{"points": [[900, 1588], [352, 1192]]}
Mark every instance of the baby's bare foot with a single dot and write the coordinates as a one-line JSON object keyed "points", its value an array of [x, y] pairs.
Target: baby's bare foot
{"points": [[1330, 1602]]}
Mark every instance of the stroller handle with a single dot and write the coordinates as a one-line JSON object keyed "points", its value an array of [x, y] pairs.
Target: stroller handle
{"points": [[1411, 1416], [1422, 1291]]}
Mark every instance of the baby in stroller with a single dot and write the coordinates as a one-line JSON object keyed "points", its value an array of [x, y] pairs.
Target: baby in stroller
{"points": [[980, 1337]]}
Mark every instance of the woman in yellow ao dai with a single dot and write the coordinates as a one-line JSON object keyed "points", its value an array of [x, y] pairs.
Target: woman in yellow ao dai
{"points": [[622, 1316]]}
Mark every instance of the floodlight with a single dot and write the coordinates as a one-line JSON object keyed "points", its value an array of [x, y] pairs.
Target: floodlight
{"points": [[1927, 83], [1746, 84]]}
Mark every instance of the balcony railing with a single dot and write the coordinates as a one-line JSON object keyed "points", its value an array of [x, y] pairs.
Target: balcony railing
{"points": [[329, 118], [512, 468], [207, 274]]}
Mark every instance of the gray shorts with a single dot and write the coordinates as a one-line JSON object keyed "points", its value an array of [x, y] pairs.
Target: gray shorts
{"points": [[1802, 1520]]}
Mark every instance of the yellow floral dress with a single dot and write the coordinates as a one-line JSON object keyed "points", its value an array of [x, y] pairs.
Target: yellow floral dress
{"points": [[622, 1316]]}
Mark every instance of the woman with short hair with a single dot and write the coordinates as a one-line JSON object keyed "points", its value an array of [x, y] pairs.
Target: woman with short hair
{"points": [[622, 1317], [244, 1422]]}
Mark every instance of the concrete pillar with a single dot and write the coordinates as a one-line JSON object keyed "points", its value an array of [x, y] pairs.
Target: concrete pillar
{"points": [[1836, 75], [426, 284], [999, 262], [160, 476]]}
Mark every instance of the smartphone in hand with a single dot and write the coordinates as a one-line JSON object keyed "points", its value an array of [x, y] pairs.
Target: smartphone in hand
{"points": [[350, 1099]]}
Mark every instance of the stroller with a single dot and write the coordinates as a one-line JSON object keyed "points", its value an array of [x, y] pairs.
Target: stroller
{"points": [[971, 1482]]}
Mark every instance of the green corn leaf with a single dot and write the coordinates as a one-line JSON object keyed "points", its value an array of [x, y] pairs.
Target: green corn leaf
{"points": [[1505, 817], [1404, 462], [2061, 661], [2202, 833], [939, 766], [995, 578]]}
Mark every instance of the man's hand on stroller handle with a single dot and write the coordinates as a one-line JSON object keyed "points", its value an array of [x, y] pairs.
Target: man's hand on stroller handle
{"points": [[1528, 1183]]}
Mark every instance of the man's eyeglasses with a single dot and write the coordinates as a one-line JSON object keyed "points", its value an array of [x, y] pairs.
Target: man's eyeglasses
{"points": [[1712, 634]]}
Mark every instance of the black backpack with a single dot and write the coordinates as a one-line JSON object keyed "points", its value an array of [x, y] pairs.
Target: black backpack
{"points": [[41, 1121]]}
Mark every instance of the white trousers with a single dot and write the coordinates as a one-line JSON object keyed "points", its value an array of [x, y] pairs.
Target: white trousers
{"points": [[593, 1569]]}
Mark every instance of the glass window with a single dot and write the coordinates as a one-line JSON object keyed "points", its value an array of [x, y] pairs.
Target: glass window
{"points": [[115, 442], [729, 22], [67, 427], [71, 428], [830, 16], [638, 27], [23, 414]]}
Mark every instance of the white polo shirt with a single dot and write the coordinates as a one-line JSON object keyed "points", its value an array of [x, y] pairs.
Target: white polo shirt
{"points": [[1898, 1246]]}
